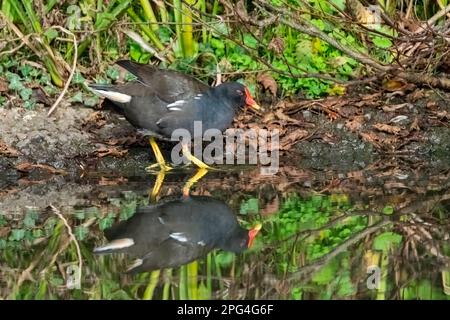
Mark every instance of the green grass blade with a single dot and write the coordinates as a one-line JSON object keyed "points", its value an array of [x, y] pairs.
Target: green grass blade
{"points": [[150, 14], [154, 278]]}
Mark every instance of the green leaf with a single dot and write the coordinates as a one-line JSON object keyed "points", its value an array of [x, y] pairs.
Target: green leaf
{"points": [[250, 41], [224, 259], [51, 34], [340, 4], [203, 292], [346, 287], [25, 70], [297, 293], [29, 104], [386, 240], [165, 34], [15, 82], [17, 234], [77, 97], [78, 78], [81, 232], [91, 101], [217, 44], [113, 73], [30, 219], [318, 23], [388, 210], [105, 223], [382, 42], [327, 273], [250, 206], [25, 93]]}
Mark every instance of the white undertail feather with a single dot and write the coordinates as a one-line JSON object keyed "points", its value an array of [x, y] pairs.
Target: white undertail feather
{"points": [[115, 245], [114, 96], [136, 263]]}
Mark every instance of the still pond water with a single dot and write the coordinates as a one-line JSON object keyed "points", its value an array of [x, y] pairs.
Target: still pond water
{"points": [[377, 233]]}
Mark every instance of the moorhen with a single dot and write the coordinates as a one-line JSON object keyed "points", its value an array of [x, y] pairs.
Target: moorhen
{"points": [[176, 232], [160, 101]]}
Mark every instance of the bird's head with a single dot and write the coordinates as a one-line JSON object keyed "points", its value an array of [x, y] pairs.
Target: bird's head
{"points": [[241, 239], [238, 95]]}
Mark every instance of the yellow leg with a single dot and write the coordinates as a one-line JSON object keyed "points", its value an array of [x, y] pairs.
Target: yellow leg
{"points": [[199, 163], [157, 187], [200, 174], [159, 157]]}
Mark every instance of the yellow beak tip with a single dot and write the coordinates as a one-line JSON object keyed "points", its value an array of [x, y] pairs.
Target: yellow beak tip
{"points": [[255, 106]]}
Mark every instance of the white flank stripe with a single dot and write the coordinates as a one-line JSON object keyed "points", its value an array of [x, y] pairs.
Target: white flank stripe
{"points": [[114, 96], [161, 220], [179, 236], [115, 245], [177, 103], [174, 109]]}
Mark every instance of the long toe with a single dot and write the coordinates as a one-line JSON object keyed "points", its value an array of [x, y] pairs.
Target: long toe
{"points": [[157, 167]]}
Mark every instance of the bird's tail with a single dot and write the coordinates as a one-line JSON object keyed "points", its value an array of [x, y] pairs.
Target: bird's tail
{"points": [[110, 92], [114, 246]]}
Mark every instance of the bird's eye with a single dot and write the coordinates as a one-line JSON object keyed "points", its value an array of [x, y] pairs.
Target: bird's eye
{"points": [[239, 92]]}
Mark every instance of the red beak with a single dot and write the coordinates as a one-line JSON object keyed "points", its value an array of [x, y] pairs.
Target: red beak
{"points": [[250, 101], [252, 234]]}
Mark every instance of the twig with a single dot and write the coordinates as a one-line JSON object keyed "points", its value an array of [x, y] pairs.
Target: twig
{"points": [[311, 30], [14, 49], [19, 33], [438, 15], [341, 248], [72, 238], [72, 72]]}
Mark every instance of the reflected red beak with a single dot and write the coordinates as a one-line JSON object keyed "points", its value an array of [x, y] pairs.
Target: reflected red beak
{"points": [[252, 234], [250, 101]]}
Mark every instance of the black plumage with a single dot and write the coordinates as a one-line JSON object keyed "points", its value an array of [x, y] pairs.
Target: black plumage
{"points": [[177, 232], [160, 101]]}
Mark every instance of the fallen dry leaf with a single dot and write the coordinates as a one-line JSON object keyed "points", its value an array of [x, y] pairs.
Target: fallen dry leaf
{"points": [[293, 137], [415, 125], [416, 95], [95, 120], [112, 182], [27, 167], [354, 124], [271, 207], [3, 85], [371, 138], [395, 107], [110, 151], [268, 83], [282, 116], [4, 231], [432, 105], [8, 151], [241, 10], [387, 128], [394, 84], [276, 45], [268, 117]]}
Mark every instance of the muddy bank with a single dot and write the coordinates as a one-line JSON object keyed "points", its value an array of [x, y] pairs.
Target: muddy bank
{"points": [[73, 139], [349, 134]]}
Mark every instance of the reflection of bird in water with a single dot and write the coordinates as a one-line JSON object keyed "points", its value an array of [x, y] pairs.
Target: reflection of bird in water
{"points": [[177, 232]]}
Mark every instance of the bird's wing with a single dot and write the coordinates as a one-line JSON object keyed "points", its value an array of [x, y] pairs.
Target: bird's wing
{"points": [[168, 85]]}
